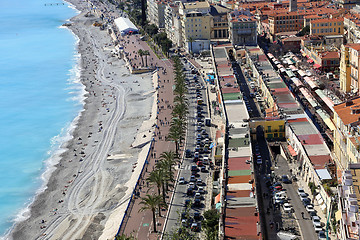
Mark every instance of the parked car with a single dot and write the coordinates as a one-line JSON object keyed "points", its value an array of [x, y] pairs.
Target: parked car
{"points": [[197, 203], [192, 178], [199, 182], [201, 190], [321, 235], [303, 196], [306, 202], [199, 163], [203, 169], [197, 216], [198, 196], [287, 208], [316, 221], [182, 180], [285, 179], [310, 208], [194, 168], [187, 202], [300, 191], [188, 153], [195, 227]]}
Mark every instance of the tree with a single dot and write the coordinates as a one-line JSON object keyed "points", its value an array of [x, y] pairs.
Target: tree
{"points": [[210, 224], [304, 31], [146, 53], [151, 202], [124, 237], [151, 29], [191, 40], [156, 179], [141, 54]]}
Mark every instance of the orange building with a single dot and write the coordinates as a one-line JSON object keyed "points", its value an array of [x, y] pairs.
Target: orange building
{"points": [[327, 26]]}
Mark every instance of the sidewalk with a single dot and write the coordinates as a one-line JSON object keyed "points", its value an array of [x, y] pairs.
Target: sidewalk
{"points": [[140, 223]]}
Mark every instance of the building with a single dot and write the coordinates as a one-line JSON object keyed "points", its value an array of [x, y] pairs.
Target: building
{"points": [[291, 43], [195, 26], [292, 5], [156, 12], [346, 134], [242, 29], [346, 4], [352, 23], [334, 40], [349, 68], [327, 26], [173, 23], [348, 208], [286, 22], [219, 22], [345, 69]]}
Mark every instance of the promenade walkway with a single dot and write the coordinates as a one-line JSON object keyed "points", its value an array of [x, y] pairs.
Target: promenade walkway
{"points": [[140, 223]]}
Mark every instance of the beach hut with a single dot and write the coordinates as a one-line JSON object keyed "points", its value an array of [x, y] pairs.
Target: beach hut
{"points": [[125, 26]]}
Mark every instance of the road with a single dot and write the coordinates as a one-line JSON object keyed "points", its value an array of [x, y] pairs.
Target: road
{"points": [[180, 191]]}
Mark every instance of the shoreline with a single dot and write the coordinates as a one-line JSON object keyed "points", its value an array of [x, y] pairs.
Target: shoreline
{"points": [[56, 227]]}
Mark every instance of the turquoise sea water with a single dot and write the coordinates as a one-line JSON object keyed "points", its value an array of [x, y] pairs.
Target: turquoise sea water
{"points": [[39, 98]]}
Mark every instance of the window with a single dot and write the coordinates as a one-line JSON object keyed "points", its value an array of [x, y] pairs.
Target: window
{"points": [[330, 24], [317, 24]]}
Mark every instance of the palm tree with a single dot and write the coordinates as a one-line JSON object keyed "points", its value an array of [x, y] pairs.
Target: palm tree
{"points": [[146, 53], [176, 134], [156, 178], [124, 237], [141, 54], [151, 202], [191, 40]]}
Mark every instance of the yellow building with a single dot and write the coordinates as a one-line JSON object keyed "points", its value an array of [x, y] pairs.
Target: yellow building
{"points": [[325, 26], [273, 130], [196, 25], [347, 132], [345, 69]]}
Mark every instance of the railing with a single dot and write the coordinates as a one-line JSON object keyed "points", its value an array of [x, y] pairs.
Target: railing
{"points": [[131, 200]]}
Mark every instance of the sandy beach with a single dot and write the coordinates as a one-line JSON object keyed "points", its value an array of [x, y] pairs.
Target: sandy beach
{"points": [[88, 191]]}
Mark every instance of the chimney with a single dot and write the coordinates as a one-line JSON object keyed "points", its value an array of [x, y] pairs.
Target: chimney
{"points": [[348, 103], [293, 6]]}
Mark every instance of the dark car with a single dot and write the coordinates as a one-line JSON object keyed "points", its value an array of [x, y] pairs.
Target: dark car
{"points": [[197, 203], [197, 216], [285, 179], [203, 169], [188, 153], [187, 202], [306, 202]]}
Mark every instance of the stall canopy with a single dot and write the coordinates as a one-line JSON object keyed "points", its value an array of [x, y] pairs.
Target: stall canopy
{"points": [[317, 65], [292, 151], [217, 198], [125, 26]]}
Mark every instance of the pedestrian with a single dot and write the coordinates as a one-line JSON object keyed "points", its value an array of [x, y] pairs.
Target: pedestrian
{"points": [[302, 214]]}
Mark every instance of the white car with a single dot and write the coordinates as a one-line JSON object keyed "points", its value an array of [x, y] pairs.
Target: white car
{"points": [[316, 222], [300, 191], [287, 208], [310, 208], [182, 180]]}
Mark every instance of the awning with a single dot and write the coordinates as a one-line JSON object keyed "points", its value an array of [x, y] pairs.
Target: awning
{"points": [[319, 199], [292, 151], [310, 60], [304, 54], [217, 198], [317, 65], [218, 206], [323, 174]]}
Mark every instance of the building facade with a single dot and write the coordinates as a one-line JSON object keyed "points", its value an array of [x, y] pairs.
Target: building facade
{"points": [[242, 29], [219, 22], [327, 26], [156, 12], [345, 81], [286, 22]]}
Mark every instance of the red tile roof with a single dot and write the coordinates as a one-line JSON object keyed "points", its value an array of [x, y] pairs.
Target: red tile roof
{"points": [[238, 163]]}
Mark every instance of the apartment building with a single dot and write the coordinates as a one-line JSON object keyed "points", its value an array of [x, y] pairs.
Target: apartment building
{"points": [[286, 22], [347, 122], [219, 22], [327, 26], [195, 26], [349, 68], [242, 28], [348, 209], [156, 12], [173, 23], [352, 23]]}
